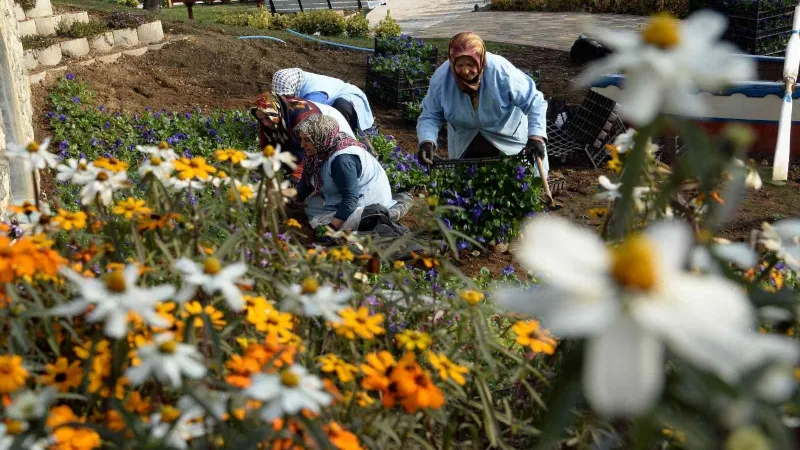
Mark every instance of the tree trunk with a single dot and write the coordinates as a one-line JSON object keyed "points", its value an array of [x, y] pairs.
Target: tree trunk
{"points": [[152, 5], [189, 6]]}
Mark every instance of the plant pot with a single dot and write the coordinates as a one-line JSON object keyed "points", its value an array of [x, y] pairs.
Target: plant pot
{"points": [[30, 61], [150, 33], [43, 8], [27, 28], [75, 48], [46, 26], [103, 42], [69, 19], [49, 56], [125, 38]]}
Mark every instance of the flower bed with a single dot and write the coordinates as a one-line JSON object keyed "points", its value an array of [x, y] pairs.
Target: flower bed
{"points": [[393, 80], [406, 45]]}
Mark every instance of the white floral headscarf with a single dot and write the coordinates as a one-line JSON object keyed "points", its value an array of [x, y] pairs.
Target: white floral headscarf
{"points": [[287, 81]]}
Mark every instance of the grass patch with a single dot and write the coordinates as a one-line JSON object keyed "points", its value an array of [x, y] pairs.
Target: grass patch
{"points": [[36, 42]]}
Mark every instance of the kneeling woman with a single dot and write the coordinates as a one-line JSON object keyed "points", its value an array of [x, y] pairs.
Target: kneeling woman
{"points": [[340, 177]]}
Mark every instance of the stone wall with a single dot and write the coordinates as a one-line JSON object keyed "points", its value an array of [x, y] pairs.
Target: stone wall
{"points": [[16, 111]]}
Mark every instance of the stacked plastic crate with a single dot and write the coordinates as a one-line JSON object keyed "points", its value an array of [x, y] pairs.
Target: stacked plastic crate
{"points": [[400, 70]]}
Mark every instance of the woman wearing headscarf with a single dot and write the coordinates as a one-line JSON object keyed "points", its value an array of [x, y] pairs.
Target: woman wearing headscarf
{"points": [[490, 106], [340, 178], [344, 97], [277, 117]]}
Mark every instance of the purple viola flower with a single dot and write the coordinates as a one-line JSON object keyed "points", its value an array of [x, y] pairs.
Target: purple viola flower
{"points": [[481, 239], [471, 171], [520, 172], [69, 76], [63, 146], [187, 115], [507, 271], [76, 99], [50, 114], [447, 224], [107, 125], [524, 187], [402, 167], [433, 184], [212, 132], [462, 245], [62, 118], [476, 211]]}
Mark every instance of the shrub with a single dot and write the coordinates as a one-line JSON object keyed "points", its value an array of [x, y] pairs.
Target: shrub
{"points": [[82, 29], [387, 27], [129, 3], [233, 19], [36, 42], [329, 22], [357, 26], [125, 19], [280, 22], [259, 19], [304, 22]]}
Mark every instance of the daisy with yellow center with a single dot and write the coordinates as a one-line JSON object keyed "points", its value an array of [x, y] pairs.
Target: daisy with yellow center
{"points": [[194, 168], [410, 340], [230, 154], [71, 220], [131, 207], [530, 334]]}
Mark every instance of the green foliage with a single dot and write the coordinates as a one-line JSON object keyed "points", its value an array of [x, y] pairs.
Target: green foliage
{"points": [[412, 111], [678, 8], [78, 30], [387, 27], [280, 22], [404, 45], [324, 21], [36, 42], [26, 4], [357, 26], [415, 69], [129, 3], [125, 19], [403, 169], [304, 22], [492, 199]]}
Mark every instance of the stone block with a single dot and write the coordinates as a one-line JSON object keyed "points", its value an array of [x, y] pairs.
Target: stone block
{"points": [[38, 78], [150, 33], [126, 38], [110, 58], [30, 60], [87, 62], [103, 42], [70, 18], [27, 28], [75, 48], [43, 8], [49, 56], [158, 46], [46, 26], [19, 13], [136, 51]]}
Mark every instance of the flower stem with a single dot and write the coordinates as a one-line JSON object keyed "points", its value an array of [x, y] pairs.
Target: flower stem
{"points": [[36, 193]]}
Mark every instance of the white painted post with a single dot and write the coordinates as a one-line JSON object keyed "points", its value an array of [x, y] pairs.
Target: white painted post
{"points": [[16, 111], [780, 165]]}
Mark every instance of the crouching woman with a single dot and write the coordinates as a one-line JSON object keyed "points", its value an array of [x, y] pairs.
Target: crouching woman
{"points": [[340, 177]]}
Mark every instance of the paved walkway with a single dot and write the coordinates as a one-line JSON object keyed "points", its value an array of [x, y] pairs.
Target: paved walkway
{"points": [[417, 15], [549, 30]]}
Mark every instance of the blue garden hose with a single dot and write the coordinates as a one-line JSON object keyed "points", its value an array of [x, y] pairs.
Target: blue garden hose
{"points": [[271, 38], [333, 44]]}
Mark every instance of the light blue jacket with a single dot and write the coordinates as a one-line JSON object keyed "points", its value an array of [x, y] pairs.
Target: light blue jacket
{"points": [[510, 109], [336, 88], [373, 185]]}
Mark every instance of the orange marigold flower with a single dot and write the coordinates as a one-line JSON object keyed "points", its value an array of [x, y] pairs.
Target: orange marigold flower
{"points": [[62, 375], [12, 375], [376, 371], [414, 387], [531, 334], [341, 438]]}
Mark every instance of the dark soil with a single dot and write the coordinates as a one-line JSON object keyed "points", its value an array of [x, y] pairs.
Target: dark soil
{"points": [[213, 70]]}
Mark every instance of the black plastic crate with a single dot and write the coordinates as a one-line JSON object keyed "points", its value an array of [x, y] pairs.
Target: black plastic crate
{"points": [[393, 92], [744, 8], [771, 45], [432, 58], [591, 120]]}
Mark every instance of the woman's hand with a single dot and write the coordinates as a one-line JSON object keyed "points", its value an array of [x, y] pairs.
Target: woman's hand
{"points": [[425, 154], [535, 147], [337, 223]]}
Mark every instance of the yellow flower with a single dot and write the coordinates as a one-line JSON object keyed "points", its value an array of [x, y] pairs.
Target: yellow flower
{"points": [[69, 220], [471, 296], [293, 223], [411, 340], [62, 375], [597, 213], [362, 399], [342, 254], [530, 334], [230, 154], [399, 265], [112, 164], [12, 374], [195, 309], [331, 363], [359, 322], [244, 192], [447, 369], [69, 438], [132, 207], [193, 168]]}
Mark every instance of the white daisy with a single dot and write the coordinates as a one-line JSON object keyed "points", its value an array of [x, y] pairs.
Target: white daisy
{"points": [[167, 360], [31, 405], [160, 168], [214, 401], [8, 438], [288, 392], [313, 300], [114, 298], [612, 192], [286, 189], [783, 238], [36, 154], [667, 62], [176, 434], [73, 167], [220, 179], [176, 184], [736, 253], [102, 186], [161, 151], [269, 159], [632, 301], [212, 278]]}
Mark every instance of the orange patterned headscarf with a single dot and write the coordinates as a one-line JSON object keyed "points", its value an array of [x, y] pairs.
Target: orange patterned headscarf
{"points": [[470, 45]]}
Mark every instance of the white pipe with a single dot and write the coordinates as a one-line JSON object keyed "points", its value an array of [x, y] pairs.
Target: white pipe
{"points": [[780, 165]]}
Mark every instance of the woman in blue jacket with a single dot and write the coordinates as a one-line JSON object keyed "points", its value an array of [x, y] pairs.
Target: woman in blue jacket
{"points": [[344, 97], [489, 106]]}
